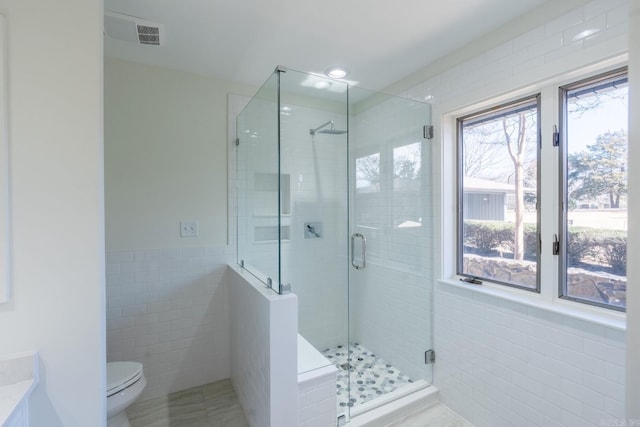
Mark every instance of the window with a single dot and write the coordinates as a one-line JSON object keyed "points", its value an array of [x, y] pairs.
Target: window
{"points": [[498, 193], [501, 237], [593, 227]]}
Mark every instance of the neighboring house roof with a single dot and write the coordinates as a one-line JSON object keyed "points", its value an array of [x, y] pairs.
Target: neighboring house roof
{"points": [[479, 185]]}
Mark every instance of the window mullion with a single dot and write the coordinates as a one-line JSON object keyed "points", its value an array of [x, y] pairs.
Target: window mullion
{"points": [[549, 193]]}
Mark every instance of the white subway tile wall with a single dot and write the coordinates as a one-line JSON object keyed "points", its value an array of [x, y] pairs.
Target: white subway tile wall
{"points": [[317, 171], [316, 267], [264, 339], [317, 402], [501, 363], [531, 51], [168, 309], [250, 348]]}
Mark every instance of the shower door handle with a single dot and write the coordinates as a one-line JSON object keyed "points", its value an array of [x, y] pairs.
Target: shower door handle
{"points": [[353, 251]]}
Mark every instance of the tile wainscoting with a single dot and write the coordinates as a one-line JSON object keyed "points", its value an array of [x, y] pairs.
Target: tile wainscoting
{"points": [[169, 309]]}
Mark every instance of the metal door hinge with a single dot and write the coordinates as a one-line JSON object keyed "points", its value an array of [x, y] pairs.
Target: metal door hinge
{"points": [[427, 132], [556, 136], [556, 245], [429, 357], [237, 141]]}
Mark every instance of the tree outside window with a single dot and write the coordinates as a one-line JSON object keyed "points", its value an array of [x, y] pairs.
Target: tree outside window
{"points": [[498, 172]]}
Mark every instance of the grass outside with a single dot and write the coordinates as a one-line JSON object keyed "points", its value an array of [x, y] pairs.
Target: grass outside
{"points": [[610, 219]]}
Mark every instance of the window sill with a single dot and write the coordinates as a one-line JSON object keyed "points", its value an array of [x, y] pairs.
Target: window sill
{"points": [[595, 315]]}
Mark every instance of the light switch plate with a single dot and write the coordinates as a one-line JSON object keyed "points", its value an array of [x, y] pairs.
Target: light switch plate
{"points": [[189, 228]]}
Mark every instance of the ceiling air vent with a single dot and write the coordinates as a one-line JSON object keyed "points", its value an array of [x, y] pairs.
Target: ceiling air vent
{"points": [[149, 35], [132, 29]]}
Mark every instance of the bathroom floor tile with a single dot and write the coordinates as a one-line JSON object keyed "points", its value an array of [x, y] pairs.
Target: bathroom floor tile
{"points": [[437, 415], [210, 405]]}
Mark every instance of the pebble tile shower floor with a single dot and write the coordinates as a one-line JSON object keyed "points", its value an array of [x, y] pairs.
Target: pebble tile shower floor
{"points": [[371, 376]]}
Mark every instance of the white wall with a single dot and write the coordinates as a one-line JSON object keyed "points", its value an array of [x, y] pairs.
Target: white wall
{"points": [[166, 161], [165, 156], [55, 119], [502, 362], [633, 269]]}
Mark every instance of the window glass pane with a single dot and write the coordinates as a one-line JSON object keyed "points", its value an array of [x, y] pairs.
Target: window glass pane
{"points": [[498, 171], [596, 180]]}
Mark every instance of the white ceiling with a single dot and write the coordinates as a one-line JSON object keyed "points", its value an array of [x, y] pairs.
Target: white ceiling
{"points": [[243, 40]]}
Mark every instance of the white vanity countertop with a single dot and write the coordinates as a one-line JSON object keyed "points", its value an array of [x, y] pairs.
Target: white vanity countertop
{"points": [[18, 378]]}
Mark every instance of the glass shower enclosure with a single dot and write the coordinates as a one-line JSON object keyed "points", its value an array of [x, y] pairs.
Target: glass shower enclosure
{"points": [[334, 205]]}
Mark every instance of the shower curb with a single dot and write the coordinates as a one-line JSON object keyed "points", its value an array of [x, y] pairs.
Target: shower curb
{"points": [[397, 409]]}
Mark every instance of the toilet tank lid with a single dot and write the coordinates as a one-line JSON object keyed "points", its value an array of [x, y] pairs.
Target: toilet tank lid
{"points": [[122, 374]]}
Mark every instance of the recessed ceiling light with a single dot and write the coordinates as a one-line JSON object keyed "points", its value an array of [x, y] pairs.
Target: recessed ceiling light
{"points": [[336, 72]]}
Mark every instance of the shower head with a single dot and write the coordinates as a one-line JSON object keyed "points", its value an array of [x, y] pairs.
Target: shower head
{"points": [[331, 131]]}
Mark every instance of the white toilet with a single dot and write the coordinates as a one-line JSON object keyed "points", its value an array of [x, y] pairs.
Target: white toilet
{"points": [[125, 382]]}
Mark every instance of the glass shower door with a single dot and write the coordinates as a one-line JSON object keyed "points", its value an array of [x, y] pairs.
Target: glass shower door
{"points": [[390, 236]]}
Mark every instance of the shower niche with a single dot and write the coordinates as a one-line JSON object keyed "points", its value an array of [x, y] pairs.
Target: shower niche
{"points": [[329, 176], [271, 194]]}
